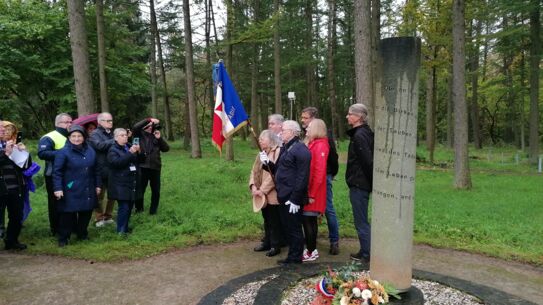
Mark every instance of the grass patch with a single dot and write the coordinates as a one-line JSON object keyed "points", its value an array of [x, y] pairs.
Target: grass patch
{"points": [[206, 201]]}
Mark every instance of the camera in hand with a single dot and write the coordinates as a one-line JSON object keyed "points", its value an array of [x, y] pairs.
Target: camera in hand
{"points": [[156, 127], [19, 137]]}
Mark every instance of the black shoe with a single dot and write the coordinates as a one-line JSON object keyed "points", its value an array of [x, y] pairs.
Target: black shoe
{"points": [[334, 248], [261, 247], [82, 238], [15, 246], [273, 252], [62, 243], [359, 257], [286, 262]]}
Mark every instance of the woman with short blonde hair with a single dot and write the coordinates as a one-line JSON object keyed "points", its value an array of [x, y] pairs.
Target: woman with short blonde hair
{"points": [[317, 142]]}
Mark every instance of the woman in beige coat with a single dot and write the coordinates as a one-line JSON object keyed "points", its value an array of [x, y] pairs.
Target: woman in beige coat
{"points": [[262, 188]]}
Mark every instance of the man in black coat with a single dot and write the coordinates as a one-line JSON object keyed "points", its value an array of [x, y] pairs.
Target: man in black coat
{"points": [[151, 144], [359, 175], [291, 180], [101, 140]]}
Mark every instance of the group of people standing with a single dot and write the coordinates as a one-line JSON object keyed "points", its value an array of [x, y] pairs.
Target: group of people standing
{"points": [[85, 173], [291, 183]]}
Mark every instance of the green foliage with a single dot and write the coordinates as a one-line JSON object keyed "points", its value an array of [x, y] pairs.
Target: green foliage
{"points": [[36, 75]]}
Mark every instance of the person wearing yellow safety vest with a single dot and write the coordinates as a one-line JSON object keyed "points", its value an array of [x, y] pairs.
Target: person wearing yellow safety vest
{"points": [[47, 148]]}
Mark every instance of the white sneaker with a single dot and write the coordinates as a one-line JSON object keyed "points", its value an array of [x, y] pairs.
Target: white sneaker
{"points": [[308, 258], [100, 224], [109, 221]]}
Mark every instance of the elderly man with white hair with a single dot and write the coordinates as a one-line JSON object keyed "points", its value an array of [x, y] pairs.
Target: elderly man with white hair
{"points": [[291, 180]]}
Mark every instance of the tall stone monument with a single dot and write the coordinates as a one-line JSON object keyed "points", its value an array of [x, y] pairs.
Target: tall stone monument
{"points": [[394, 161]]}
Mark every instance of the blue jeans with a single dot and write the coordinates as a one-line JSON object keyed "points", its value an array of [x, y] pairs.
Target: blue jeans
{"points": [[330, 213], [123, 215], [359, 202]]}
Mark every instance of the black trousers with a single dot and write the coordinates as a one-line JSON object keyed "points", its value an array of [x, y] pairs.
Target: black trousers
{"points": [[14, 204], [311, 230], [152, 177], [292, 223], [2, 215], [272, 226], [69, 222], [51, 205]]}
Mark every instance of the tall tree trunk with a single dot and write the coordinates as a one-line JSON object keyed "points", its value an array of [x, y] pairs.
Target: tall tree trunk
{"points": [[254, 74], [375, 38], [229, 58], [462, 175], [535, 58], [196, 151], [431, 99], [80, 57], [331, 67], [209, 83], [450, 112], [474, 71], [166, 98], [277, 60], [100, 28], [522, 119], [362, 55], [309, 67], [186, 119], [152, 68]]}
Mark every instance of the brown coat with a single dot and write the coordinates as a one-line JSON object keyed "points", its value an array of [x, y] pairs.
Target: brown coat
{"points": [[263, 180]]}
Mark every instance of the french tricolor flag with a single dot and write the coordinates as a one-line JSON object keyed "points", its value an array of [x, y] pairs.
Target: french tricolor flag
{"points": [[228, 113]]}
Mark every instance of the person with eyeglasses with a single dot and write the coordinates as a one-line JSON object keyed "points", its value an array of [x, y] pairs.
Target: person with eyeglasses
{"points": [[124, 177], [48, 147], [101, 140], [291, 180], [359, 176]]}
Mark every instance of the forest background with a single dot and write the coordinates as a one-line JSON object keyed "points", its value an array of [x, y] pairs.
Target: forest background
{"points": [[479, 91], [134, 59]]}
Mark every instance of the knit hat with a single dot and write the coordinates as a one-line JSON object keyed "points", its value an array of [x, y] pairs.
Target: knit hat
{"points": [[77, 128]]}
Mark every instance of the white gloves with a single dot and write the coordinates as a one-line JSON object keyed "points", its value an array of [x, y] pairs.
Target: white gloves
{"points": [[294, 208], [263, 157]]}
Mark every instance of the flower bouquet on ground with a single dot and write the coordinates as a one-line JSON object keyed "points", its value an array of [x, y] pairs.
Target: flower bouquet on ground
{"points": [[349, 286]]}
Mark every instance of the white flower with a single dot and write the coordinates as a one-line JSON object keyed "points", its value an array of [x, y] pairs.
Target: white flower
{"points": [[365, 302], [366, 294], [344, 300], [356, 292], [381, 300]]}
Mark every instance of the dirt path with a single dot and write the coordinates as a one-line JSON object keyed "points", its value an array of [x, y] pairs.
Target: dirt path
{"points": [[184, 276]]}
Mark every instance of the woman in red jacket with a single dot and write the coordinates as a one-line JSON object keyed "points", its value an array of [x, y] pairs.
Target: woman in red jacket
{"points": [[317, 142]]}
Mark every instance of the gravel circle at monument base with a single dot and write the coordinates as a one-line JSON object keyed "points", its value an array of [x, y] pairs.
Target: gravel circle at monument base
{"points": [[296, 286]]}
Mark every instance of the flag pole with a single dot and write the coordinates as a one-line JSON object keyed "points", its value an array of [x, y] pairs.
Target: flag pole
{"points": [[259, 148]]}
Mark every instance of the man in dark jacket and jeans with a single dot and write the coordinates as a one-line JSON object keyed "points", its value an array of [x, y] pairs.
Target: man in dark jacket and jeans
{"points": [[101, 140], [291, 180], [151, 144], [359, 175]]}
